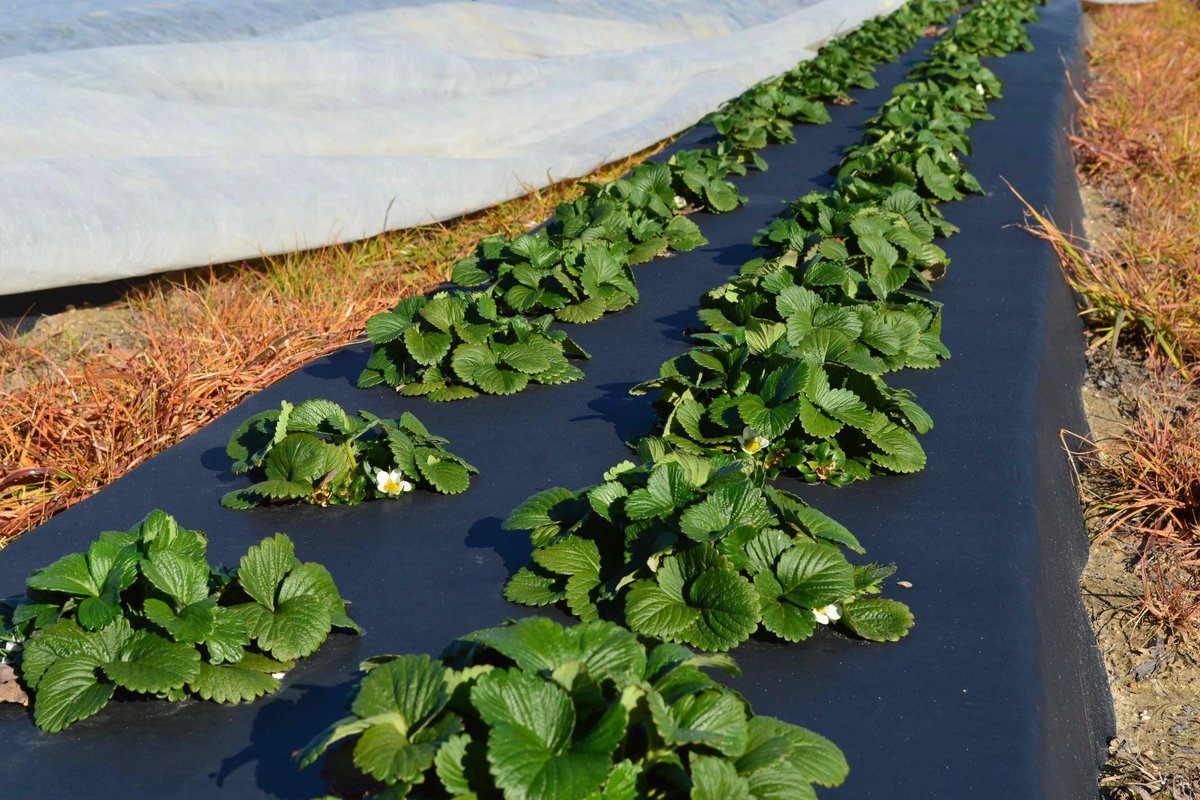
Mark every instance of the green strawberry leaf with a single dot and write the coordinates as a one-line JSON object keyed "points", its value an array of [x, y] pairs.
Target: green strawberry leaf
{"points": [[533, 748], [528, 588], [294, 628], [231, 683], [713, 719], [264, 567], [153, 665], [716, 779], [877, 619], [251, 440], [446, 475], [70, 691]]}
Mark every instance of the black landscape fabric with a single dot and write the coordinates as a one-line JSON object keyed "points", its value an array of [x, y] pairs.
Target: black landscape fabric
{"points": [[997, 693]]}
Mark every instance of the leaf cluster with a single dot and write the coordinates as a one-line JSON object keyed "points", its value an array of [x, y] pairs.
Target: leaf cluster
{"points": [[457, 344], [578, 266], [537, 711], [315, 452], [992, 28], [766, 113], [143, 613], [800, 338], [821, 403], [696, 550]]}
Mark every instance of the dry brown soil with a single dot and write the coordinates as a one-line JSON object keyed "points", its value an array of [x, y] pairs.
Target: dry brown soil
{"points": [[1153, 673]]}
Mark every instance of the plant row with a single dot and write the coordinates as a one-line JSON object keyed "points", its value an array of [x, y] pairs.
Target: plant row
{"points": [[490, 333], [692, 544], [799, 341]]}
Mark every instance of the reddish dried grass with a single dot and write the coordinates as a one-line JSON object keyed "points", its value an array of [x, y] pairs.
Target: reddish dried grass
{"points": [[1138, 142], [1156, 460]]}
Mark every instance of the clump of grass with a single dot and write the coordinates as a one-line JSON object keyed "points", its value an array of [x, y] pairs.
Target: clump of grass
{"points": [[1155, 464], [76, 415], [1128, 289], [1144, 483], [1138, 142]]}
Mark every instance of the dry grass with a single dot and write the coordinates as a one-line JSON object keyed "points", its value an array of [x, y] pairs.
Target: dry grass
{"points": [[1138, 145], [78, 410], [1137, 148], [1156, 461], [1132, 286], [1144, 485], [1138, 142]]}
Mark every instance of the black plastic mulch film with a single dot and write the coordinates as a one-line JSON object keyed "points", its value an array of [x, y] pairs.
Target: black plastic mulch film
{"points": [[998, 692]]}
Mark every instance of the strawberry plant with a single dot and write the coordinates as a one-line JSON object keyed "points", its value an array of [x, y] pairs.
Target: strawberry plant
{"points": [[534, 275], [993, 28], [698, 550], [763, 115], [871, 337], [897, 233], [314, 452], [700, 178], [957, 74], [830, 258], [578, 266], [766, 112], [649, 198], [542, 712], [911, 148], [819, 405], [457, 344], [143, 613]]}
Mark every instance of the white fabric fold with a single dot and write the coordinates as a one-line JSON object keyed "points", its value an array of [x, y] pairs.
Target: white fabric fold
{"points": [[135, 158]]}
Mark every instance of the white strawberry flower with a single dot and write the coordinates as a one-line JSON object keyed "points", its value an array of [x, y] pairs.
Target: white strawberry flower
{"points": [[828, 614], [979, 88], [277, 675], [392, 483], [751, 441]]}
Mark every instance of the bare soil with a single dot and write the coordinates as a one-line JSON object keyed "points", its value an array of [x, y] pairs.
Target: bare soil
{"points": [[1154, 674]]}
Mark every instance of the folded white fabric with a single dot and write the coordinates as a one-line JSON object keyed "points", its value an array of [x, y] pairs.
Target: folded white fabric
{"points": [[134, 158]]}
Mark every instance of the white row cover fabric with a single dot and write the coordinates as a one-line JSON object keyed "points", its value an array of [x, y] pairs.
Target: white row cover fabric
{"points": [[136, 139]]}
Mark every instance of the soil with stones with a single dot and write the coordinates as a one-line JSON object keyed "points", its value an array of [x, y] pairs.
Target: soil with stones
{"points": [[1154, 674]]}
